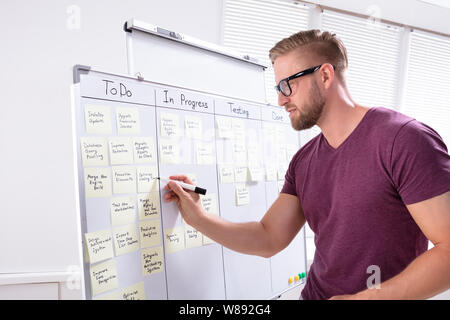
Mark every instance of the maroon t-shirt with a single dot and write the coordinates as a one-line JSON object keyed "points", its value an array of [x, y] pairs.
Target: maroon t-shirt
{"points": [[354, 199]]}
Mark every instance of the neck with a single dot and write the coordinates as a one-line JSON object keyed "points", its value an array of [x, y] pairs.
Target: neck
{"points": [[340, 116]]}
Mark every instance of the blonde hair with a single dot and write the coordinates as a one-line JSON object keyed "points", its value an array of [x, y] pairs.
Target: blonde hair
{"points": [[320, 43]]}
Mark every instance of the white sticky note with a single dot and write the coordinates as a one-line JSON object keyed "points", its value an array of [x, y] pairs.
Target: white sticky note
{"points": [[103, 277], [148, 205], [174, 239], [170, 151], [170, 125], [120, 151], [193, 237], [193, 127], [242, 195], [128, 120], [255, 173], [94, 151], [124, 179], [99, 245], [209, 202], [144, 150], [147, 179], [134, 292], [240, 174], [271, 172], [122, 210], [125, 239], [204, 153], [149, 233], [97, 182], [97, 119], [224, 128], [152, 260], [226, 173]]}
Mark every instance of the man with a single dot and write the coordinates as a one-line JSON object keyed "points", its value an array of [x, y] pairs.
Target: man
{"points": [[373, 186]]}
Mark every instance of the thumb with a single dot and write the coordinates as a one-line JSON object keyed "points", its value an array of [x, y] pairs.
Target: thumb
{"points": [[175, 187]]}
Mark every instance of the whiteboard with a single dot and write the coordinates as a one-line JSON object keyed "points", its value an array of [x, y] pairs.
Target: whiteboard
{"points": [[192, 267]]}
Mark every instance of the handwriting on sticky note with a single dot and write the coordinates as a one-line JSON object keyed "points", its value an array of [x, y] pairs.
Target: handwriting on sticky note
{"points": [[152, 261], [97, 119], [125, 239], [226, 173], [170, 152], [122, 210], [193, 237], [256, 173], [193, 127], [150, 233], [224, 128], [242, 195], [148, 205], [128, 120], [124, 179], [134, 292], [103, 277], [146, 179], [240, 174], [170, 125], [99, 245], [209, 202], [94, 151], [97, 182], [174, 239], [204, 153], [120, 151], [144, 150]]}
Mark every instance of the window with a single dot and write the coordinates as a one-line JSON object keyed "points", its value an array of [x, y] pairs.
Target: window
{"points": [[253, 27], [427, 87], [373, 50]]}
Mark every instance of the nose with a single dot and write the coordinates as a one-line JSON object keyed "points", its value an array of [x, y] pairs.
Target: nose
{"points": [[282, 100]]}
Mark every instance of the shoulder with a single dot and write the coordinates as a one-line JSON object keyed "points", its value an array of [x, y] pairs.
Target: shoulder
{"points": [[387, 122]]}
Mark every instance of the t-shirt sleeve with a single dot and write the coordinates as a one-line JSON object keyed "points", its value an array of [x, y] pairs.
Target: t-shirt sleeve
{"points": [[289, 178], [420, 163]]}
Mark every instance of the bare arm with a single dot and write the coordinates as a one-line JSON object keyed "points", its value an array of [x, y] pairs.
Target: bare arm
{"points": [[428, 274], [264, 238]]}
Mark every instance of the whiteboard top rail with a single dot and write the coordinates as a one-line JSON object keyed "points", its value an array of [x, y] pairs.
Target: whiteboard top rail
{"points": [[133, 24]]}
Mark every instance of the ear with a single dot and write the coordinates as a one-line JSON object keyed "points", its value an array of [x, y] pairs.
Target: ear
{"points": [[327, 75]]}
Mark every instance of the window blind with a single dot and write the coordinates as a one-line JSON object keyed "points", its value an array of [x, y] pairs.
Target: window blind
{"points": [[427, 88], [373, 50], [253, 27]]}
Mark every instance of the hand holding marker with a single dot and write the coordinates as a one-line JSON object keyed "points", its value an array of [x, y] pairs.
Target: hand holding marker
{"points": [[185, 185]]}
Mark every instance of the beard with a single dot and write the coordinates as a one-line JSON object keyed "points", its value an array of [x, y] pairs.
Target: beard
{"points": [[312, 110]]}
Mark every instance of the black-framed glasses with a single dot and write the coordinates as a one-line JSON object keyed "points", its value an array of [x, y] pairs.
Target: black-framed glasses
{"points": [[284, 87]]}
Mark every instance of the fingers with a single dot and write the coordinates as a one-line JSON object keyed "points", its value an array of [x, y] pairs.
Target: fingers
{"points": [[181, 177], [177, 189]]}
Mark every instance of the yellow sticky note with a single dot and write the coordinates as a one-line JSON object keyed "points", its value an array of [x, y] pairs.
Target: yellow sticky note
{"points": [[193, 237], [122, 210], [97, 182], [124, 179], [170, 125], [224, 128], [152, 260], [174, 239], [147, 179], [128, 120], [226, 173], [148, 205], [144, 150], [242, 195], [255, 173], [120, 151], [103, 277], [97, 119], [209, 202], [125, 239], [94, 151], [134, 292], [99, 245], [150, 233], [193, 127], [169, 151], [240, 174], [204, 153], [271, 172]]}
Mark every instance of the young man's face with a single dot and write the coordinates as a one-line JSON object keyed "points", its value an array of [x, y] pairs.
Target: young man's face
{"points": [[306, 103]]}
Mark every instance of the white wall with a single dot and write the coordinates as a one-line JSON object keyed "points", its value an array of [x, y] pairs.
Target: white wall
{"points": [[38, 230]]}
